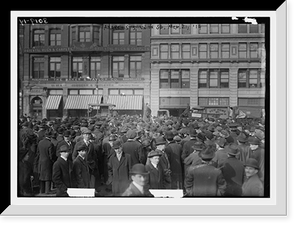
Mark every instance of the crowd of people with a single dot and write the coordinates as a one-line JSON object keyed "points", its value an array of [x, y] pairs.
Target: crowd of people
{"points": [[128, 156]]}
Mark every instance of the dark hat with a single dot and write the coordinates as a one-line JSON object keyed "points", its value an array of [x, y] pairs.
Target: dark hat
{"points": [[193, 132], [81, 146], [160, 141], [169, 135], [86, 131], [201, 136], [60, 130], [64, 148], [177, 138], [139, 169], [242, 138], [199, 146], [48, 133], [131, 134], [67, 133], [208, 134], [233, 125], [154, 153], [117, 144], [251, 162], [221, 142], [112, 137], [146, 143], [253, 141], [208, 153], [232, 150]]}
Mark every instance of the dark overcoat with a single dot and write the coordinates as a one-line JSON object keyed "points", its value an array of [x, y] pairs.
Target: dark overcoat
{"points": [[133, 191], [45, 156], [118, 173], [205, 180], [219, 158], [61, 177], [156, 176], [80, 173], [233, 172], [187, 148], [134, 149], [259, 155], [174, 152]]}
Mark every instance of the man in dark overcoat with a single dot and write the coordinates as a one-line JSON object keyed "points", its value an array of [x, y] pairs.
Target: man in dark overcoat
{"points": [[187, 146], [80, 169], [205, 179], [258, 153], [119, 165], [233, 172], [44, 160], [174, 151], [61, 175], [133, 148]]}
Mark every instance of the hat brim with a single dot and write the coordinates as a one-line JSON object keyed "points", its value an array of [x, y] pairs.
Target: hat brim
{"points": [[140, 173], [249, 165]]}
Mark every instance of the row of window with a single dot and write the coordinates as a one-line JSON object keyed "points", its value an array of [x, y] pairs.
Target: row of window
{"points": [[170, 29], [114, 91], [211, 78], [118, 67], [85, 34], [210, 50]]}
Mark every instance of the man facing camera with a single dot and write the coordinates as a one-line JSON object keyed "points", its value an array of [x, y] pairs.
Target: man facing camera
{"points": [[80, 171]]}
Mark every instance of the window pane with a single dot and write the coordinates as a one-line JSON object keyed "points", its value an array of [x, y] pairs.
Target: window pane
{"points": [[213, 101], [224, 83], [223, 101], [203, 51], [164, 29], [164, 79], [175, 28], [203, 101], [242, 50], [214, 50], [225, 50], [242, 28], [213, 78], [253, 28], [202, 79], [262, 79], [225, 28], [214, 28], [174, 78], [253, 78], [242, 81], [186, 28], [253, 50], [202, 29], [185, 78]]}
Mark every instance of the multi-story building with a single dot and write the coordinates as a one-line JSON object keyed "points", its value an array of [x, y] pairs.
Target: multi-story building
{"points": [[209, 65], [65, 67]]}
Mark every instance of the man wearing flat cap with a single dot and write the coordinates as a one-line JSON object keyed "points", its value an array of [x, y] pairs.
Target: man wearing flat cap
{"points": [[157, 178], [119, 165], [61, 175], [252, 185]]}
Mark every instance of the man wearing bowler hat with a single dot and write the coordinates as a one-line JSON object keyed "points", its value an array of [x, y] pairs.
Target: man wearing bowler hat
{"points": [[138, 187], [205, 179], [119, 165], [252, 185]]}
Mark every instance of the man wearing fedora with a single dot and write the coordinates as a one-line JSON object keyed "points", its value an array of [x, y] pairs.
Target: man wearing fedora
{"points": [[233, 171], [258, 153], [194, 158], [174, 151], [220, 154], [205, 179], [133, 147], [44, 160], [61, 175], [243, 147], [119, 165], [252, 185], [139, 186]]}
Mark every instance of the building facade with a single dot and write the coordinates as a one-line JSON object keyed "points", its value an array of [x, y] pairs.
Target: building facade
{"points": [[211, 65], [65, 67]]}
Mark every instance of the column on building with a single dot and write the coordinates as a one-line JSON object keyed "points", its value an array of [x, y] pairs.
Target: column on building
{"points": [[194, 85], [233, 86], [154, 104]]}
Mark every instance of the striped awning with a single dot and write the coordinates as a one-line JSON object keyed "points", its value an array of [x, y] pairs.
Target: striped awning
{"points": [[126, 102], [53, 102], [81, 101]]}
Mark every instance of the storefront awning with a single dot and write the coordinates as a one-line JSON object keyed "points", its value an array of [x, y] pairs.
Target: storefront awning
{"points": [[81, 101], [126, 102], [53, 102]]}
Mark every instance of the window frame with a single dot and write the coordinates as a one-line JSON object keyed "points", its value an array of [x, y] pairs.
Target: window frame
{"points": [[39, 33], [119, 70], [260, 83], [56, 63], [167, 79], [56, 40]]}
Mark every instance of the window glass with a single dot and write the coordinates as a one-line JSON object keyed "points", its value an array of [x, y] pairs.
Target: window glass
{"points": [[202, 79], [213, 78]]}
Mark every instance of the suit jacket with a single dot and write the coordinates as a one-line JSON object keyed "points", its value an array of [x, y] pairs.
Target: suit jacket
{"points": [[134, 149], [118, 173], [133, 191], [61, 177], [45, 159], [187, 148], [80, 173]]}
